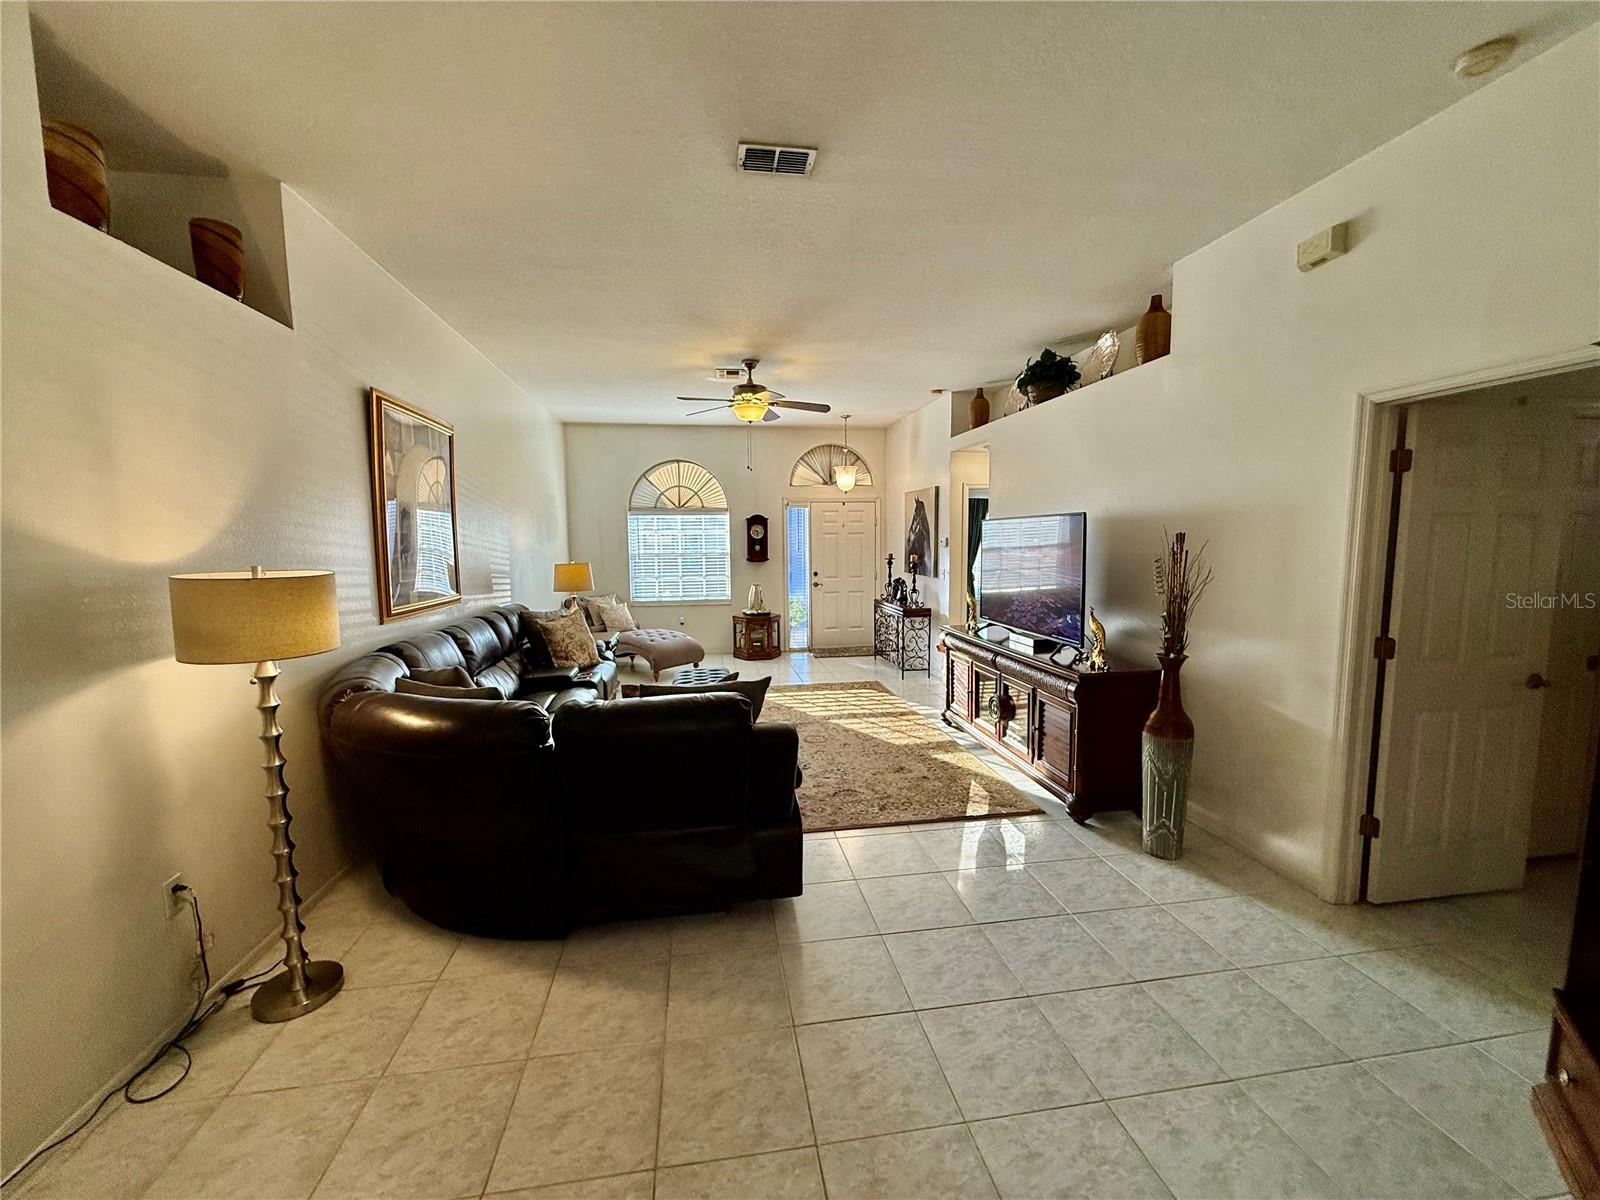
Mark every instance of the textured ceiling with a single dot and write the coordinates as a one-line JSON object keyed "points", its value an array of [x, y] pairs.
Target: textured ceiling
{"points": [[557, 180]]}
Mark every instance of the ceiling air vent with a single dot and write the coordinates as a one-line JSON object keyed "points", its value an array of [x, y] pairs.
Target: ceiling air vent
{"points": [[776, 160]]}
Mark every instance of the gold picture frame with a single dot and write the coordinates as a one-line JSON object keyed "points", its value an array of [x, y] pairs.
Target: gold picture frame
{"points": [[414, 517]]}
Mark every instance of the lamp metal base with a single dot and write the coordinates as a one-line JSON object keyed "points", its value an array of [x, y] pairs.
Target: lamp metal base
{"points": [[275, 1001]]}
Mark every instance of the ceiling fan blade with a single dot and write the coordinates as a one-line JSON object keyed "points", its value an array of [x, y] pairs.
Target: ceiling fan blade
{"points": [[772, 395], [804, 404], [703, 400], [700, 412], [769, 415]]}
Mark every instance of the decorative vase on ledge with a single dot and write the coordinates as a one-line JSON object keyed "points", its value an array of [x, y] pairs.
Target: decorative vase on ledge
{"points": [[75, 174], [1168, 752], [979, 410], [218, 250], [1153, 339]]}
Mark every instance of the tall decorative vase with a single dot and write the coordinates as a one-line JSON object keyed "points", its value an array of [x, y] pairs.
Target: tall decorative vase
{"points": [[1153, 339], [218, 250], [979, 409], [75, 174], [1168, 752]]}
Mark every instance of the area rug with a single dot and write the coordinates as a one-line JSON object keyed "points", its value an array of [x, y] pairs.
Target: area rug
{"points": [[841, 652], [869, 758]]}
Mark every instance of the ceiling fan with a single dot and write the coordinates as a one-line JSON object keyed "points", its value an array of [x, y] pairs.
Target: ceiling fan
{"points": [[751, 402]]}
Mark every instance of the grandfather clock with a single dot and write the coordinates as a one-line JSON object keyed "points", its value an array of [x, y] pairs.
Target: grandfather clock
{"points": [[755, 538]]}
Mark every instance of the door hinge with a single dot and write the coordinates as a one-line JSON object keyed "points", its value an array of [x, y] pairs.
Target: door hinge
{"points": [[1400, 460], [1368, 826], [1383, 648]]}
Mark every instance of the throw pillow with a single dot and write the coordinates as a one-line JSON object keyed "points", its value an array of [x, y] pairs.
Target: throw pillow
{"points": [[569, 640], [591, 613], [753, 690], [613, 614], [536, 651], [444, 677], [416, 687]]}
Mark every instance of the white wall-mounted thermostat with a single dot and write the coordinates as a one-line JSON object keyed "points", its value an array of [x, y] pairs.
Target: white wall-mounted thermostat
{"points": [[1321, 247]]}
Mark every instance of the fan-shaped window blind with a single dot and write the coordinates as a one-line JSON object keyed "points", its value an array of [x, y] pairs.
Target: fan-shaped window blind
{"points": [[678, 484], [679, 543], [815, 467]]}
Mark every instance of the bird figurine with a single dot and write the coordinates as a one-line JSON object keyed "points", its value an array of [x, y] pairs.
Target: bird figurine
{"points": [[1096, 658]]}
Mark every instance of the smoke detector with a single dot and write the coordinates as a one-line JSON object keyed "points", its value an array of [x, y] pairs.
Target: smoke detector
{"points": [[1486, 57], [727, 374], [776, 160]]}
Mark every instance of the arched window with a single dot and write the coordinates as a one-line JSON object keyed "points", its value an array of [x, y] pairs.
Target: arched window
{"points": [[677, 484], [815, 467], [679, 546]]}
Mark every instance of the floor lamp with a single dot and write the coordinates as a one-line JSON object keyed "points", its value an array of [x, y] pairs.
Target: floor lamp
{"points": [[258, 617]]}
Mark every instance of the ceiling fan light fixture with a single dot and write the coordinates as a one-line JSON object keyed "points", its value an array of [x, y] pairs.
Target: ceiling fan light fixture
{"points": [[749, 408]]}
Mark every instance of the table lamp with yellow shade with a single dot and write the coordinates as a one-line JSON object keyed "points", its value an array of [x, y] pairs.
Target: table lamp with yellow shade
{"points": [[572, 578], [258, 617]]}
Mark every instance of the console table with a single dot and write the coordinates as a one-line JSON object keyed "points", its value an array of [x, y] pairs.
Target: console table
{"points": [[903, 635], [1075, 732]]}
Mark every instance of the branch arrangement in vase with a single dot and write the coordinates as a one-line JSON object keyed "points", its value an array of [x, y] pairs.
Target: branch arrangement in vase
{"points": [[1180, 578]]}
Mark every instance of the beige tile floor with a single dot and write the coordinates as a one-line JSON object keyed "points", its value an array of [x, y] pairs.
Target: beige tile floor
{"points": [[1022, 1008]]}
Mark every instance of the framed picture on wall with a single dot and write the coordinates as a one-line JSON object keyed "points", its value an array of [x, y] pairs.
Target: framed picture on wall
{"points": [[413, 508], [922, 531]]}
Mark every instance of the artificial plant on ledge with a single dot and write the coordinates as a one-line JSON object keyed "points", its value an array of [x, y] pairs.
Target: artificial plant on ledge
{"points": [[1168, 741], [1046, 377]]}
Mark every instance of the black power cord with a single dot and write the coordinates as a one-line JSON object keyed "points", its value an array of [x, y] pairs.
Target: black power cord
{"points": [[197, 1017]]}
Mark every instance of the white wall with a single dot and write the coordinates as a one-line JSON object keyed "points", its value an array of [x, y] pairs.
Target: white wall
{"points": [[1474, 241], [604, 462], [918, 453], [150, 425]]}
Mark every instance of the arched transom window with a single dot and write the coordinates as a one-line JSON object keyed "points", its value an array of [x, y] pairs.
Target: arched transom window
{"points": [[815, 468], [679, 546], [678, 484]]}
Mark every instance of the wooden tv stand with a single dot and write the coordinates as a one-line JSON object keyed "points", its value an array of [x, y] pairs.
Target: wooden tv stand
{"points": [[1075, 732]]}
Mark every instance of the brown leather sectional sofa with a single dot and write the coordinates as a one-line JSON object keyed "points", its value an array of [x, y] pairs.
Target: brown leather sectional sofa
{"points": [[557, 805]]}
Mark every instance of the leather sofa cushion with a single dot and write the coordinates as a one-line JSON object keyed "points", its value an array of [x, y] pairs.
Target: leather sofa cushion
{"points": [[506, 674], [551, 701], [482, 642], [695, 752], [753, 690], [417, 687], [432, 649], [444, 677]]}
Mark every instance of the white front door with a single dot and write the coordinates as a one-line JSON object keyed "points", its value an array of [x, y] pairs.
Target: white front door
{"points": [[1572, 701], [1478, 539], [844, 552]]}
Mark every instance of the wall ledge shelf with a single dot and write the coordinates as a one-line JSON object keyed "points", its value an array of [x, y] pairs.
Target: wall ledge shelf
{"points": [[1149, 374]]}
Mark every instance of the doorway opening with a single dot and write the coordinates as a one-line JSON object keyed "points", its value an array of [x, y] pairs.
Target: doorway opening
{"points": [[969, 506], [1484, 681]]}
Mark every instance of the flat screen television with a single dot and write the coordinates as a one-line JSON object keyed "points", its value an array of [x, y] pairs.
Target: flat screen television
{"points": [[1030, 575]]}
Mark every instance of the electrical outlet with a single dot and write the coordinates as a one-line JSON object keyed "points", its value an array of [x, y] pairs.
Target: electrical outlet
{"points": [[174, 899]]}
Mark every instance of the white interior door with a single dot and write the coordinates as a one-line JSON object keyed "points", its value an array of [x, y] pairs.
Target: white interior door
{"points": [[1461, 724], [1572, 701], [844, 552]]}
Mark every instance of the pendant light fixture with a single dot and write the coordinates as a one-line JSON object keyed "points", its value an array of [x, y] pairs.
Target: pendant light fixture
{"points": [[844, 472]]}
